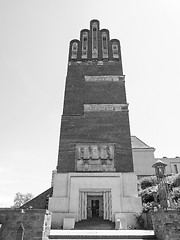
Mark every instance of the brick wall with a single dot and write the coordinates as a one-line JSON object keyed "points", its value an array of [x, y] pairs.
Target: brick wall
{"points": [[78, 92], [110, 127], [35, 224], [166, 224]]}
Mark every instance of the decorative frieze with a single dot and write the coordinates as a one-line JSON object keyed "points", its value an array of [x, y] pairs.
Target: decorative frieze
{"points": [[95, 157], [104, 78], [105, 107], [94, 151]]}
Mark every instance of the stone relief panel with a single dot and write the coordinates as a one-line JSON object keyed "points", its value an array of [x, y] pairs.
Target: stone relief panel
{"points": [[95, 157], [105, 107], [104, 78]]}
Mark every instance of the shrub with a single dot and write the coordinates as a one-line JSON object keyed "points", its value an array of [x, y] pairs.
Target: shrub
{"points": [[175, 194], [140, 220], [148, 194], [176, 180], [149, 206], [146, 182]]}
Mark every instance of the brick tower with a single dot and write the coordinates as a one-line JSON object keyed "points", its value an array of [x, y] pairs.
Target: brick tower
{"points": [[95, 167]]}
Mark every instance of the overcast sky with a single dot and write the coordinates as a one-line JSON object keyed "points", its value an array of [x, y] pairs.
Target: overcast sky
{"points": [[34, 42]]}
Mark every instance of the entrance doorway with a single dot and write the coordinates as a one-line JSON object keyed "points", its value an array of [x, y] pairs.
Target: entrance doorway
{"points": [[95, 203], [95, 206]]}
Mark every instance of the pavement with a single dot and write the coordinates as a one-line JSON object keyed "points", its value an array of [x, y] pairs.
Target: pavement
{"points": [[102, 232]]}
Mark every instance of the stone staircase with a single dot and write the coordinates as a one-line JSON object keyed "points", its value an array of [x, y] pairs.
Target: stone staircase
{"points": [[102, 234], [95, 223]]}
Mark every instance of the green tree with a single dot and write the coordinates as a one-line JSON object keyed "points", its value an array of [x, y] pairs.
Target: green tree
{"points": [[21, 198]]}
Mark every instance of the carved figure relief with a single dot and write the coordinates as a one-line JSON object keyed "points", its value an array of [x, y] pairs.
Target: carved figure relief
{"points": [[91, 157]]}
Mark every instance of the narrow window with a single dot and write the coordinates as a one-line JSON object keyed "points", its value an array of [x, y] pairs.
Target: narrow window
{"points": [[115, 50], [175, 169], [74, 50], [84, 44], [104, 45], [94, 41]]}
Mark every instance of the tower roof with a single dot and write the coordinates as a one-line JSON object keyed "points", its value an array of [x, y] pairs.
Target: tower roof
{"points": [[94, 44]]}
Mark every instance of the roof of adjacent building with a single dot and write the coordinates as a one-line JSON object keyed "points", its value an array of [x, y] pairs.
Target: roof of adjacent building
{"points": [[40, 201], [137, 143]]}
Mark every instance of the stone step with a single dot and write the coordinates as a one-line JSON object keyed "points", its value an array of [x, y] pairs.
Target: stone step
{"points": [[102, 234], [95, 223]]}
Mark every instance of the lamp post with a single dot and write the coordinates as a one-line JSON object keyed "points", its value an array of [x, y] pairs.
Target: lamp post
{"points": [[163, 190]]}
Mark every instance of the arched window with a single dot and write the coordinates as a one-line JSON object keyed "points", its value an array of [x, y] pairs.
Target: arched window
{"points": [[94, 40], [74, 50], [84, 44], [104, 45], [115, 50]]}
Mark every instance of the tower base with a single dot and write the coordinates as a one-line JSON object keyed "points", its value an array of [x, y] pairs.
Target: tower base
{"points": [[87, 195]]}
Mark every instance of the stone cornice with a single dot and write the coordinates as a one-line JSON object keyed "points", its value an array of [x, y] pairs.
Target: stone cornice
{"points": [[109, 78], [105, 107]]}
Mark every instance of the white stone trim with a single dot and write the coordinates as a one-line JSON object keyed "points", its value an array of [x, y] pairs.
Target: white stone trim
{"points": [[95, 191], [104, 78], [107, 202], [105, 107]]}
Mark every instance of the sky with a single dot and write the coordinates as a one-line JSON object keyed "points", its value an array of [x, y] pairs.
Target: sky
{"points": [[34, 43]]}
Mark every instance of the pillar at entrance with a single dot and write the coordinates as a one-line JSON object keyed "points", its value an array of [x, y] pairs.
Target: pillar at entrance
{"points": [[95, 152]]}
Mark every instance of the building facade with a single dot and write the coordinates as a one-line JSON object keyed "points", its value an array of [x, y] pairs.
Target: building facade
{"points": [[95, 172], [173, 165], [143, 159]]}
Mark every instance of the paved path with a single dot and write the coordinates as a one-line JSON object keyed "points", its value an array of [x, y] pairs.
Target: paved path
{"points": [[102, 234]]}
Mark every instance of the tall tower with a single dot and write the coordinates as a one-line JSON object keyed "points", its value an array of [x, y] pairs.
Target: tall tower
{"points": [[95, 167], [95, 112]]}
